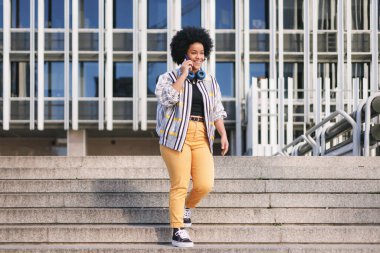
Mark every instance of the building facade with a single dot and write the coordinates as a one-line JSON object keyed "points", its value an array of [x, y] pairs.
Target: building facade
{"points": [[78, 76]]}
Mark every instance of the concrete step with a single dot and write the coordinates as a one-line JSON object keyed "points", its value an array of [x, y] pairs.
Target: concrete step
{"points": [[153, 167], [199, 233], [163, 185], [213, 200], [204, 248], [199, 216]]}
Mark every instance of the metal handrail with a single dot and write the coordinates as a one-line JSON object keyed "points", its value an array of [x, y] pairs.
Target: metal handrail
{"points": [[307, 136]]}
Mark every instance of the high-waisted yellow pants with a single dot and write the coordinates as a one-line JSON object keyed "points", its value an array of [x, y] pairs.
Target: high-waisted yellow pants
{"points": [[196, 161]]}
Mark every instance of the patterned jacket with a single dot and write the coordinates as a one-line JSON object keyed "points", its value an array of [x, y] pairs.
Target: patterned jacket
{"points": [[173, 108]]}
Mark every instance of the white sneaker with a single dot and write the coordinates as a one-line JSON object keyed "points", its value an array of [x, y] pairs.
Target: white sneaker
{"points": [[181, 238]]}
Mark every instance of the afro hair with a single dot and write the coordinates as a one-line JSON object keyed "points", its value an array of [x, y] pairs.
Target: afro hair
{"points": [[184, 38]]}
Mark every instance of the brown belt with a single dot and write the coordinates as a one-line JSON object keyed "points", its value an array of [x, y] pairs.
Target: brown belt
{"points": [[197, 119]]}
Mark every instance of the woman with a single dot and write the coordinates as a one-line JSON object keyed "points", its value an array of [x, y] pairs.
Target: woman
{"points": [[188, 111]]}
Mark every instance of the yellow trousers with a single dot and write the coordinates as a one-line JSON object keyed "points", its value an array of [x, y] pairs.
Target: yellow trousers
{"points": [[196, 161]]}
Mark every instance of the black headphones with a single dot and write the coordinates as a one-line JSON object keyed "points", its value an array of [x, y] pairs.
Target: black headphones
{"points": [[200, 75]]}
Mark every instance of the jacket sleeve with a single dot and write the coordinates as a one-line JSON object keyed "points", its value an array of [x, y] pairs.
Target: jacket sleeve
{"points": [[165, 93], [219, 112]]}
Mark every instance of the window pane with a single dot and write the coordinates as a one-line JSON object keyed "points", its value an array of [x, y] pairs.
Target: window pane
{"points": [[88, 79], [54, 110], [157, 14], [54, 41], [225, 42], [225, 75], [54, 14], [20, 85], [259, 42], [1, 11], [360, 11], [259, 14], [88, 14], [123, 41], [191, 13], [54, 79], [20, 41], [123, 16], [259, 70], [157, 41], [20, 13], [155, 69], [123, 79], [225, 14], [88, 41], [293, 14], [327, 15]]}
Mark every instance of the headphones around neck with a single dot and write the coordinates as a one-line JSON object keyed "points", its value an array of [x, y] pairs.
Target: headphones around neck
{"points": [[200, 75]]}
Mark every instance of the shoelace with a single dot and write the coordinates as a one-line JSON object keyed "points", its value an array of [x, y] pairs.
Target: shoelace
{"points": [[182, 233], [187, 214]]}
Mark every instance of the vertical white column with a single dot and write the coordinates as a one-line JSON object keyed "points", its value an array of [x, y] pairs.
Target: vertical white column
{"points": [[289, 126], [136, 77], [272, 40], [101, 66], [41, 61], [374, 47], [143, 83], [264, 111], [355, 93], [273, 112], [109, 64], [348, 39], [327, 96], [238, 74], [317, 118], [247, 78], [170, 32], [306, 59], [318, 104], [281, 93], [75, 64], [67, 66], [6, 63], [340, 72], [32, 65], [255, 117], [211, 19], [365, 88]]}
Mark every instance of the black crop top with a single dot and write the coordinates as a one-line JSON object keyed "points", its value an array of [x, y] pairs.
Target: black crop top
{"points": [[197, 101]]}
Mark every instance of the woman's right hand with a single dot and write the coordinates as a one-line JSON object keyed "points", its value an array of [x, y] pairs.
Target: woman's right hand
{"points": [[186, 66]]}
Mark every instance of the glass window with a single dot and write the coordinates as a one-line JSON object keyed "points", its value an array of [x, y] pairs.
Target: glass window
{"points": [[225, 75], [157, 14], [54, 79], [327, 15], [1, 11], [54, 14], [293, 16], [360, 11], [123, 79], [88, 79], [20, 13], [191, 13], [123, 16], [225, 14], [20, 79], [259, 14], [88, 14], [155, 69], [259, 70]]}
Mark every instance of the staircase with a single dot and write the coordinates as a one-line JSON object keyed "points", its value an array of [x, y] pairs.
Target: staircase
{"points": [[119, 204]]}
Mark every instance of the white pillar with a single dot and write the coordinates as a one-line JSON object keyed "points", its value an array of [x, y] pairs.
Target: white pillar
{"points": [[317, 118], [306, 59], [247, 78], [340, 72], [143, 64], [101, 66], [75, 64], [289, 126], [374, 47], [281, 92], [349, 38], [238, 83], [211, 18], [109, 64], [272, 40], [32, 65], [41, 62], [136, 77], [67, 66], [6, 63]]}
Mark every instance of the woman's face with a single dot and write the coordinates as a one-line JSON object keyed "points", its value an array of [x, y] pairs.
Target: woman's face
{"points": [[197, 55]]}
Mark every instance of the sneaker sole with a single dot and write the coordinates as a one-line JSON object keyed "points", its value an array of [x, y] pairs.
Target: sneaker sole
{"points": [[182, 244], [187, 225]]}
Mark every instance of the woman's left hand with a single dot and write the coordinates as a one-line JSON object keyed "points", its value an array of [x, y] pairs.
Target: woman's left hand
{"points": [[225, 145]]}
